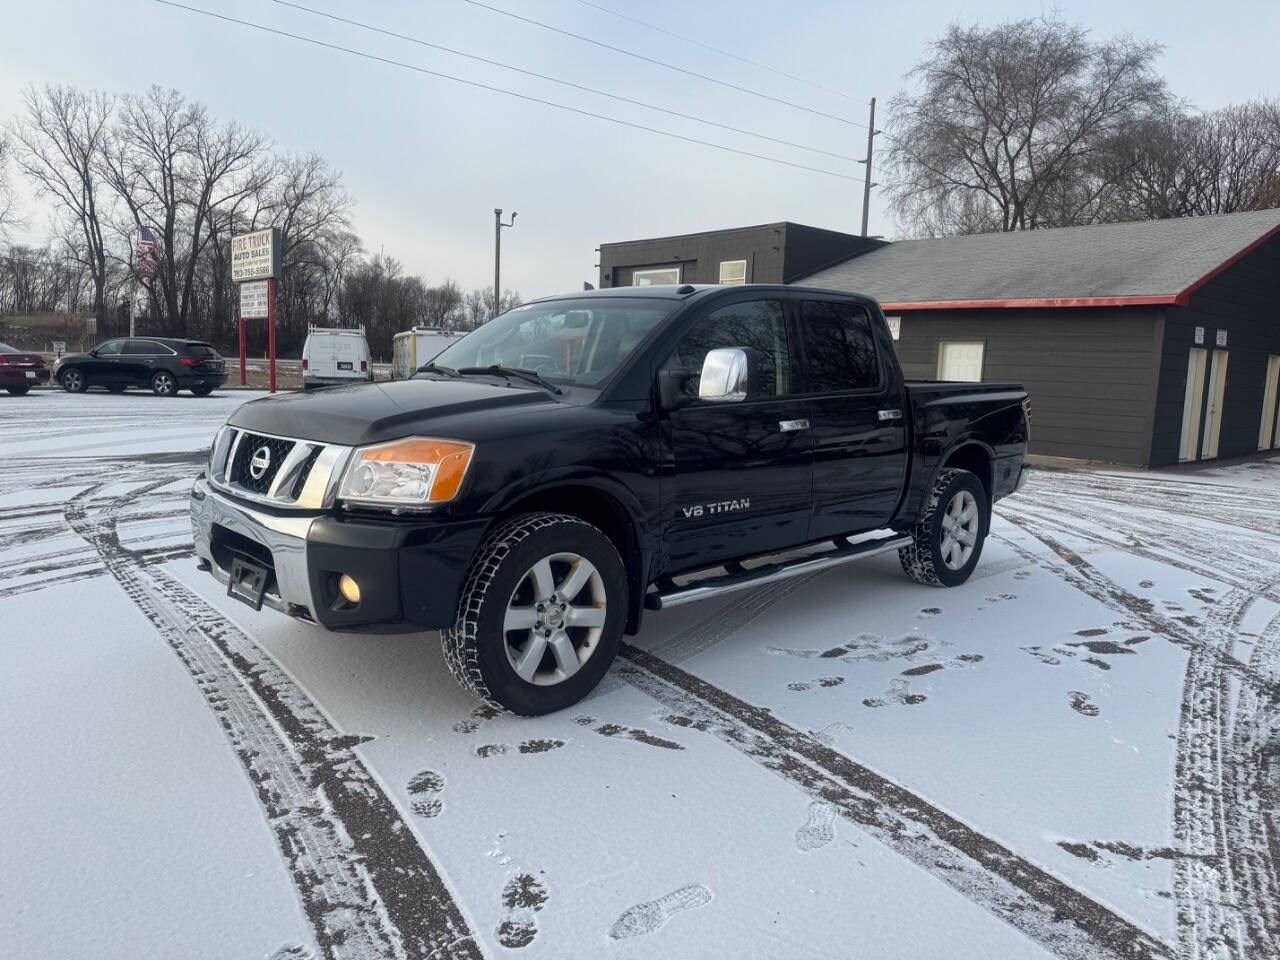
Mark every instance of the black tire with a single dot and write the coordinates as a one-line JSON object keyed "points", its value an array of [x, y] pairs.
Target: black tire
{"points": [[922, 561], [73, 381], [164, 384], [476, 646], [19, 391], [117, 388], [201, 391]]}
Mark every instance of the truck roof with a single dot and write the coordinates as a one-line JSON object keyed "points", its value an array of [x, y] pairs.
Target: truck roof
{"points": [[689, 291]]}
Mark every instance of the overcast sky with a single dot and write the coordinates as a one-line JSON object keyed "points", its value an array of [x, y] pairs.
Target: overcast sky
{"points": [[428, 159]]}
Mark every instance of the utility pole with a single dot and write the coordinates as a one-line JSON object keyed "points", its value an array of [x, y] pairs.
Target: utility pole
{"points": [[497, 255], [867, 184]]}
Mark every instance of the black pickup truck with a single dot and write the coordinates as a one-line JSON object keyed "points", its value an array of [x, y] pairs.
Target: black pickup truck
{"points": [[580, 459]]}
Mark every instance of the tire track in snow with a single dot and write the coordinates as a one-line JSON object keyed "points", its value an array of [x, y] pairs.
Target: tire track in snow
{"points": [[1059, 917], [1214, 917], [366, 885]]}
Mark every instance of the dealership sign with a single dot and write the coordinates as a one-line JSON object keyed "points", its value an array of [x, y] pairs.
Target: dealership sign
{"points": [[253, 300], [255, 256]]}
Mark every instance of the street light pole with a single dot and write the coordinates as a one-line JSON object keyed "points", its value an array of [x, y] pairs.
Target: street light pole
{"points": [[867, 184], [497, 256]]}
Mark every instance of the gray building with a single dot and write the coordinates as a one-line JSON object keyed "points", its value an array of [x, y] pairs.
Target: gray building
{"points": [[768, 253], [1140, 343]]}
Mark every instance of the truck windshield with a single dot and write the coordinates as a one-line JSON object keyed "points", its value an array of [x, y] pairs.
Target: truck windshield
{"points": [[579, 342]]}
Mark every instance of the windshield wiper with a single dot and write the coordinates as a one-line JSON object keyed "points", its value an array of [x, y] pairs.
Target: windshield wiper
{"points": [[438, 368], [498, 370]]}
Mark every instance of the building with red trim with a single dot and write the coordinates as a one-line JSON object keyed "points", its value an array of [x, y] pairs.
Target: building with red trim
{"points": [[1143, 343]]}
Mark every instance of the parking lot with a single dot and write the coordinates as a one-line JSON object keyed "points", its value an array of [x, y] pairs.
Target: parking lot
{"points": [[1075, 754]]}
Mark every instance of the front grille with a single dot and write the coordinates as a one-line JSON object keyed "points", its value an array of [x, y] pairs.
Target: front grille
{"points": [[301, 482], [250, 445]]}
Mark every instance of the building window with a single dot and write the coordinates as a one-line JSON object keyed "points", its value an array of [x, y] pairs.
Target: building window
{"points": [[646, 278], [733, 271], [960, 361]]}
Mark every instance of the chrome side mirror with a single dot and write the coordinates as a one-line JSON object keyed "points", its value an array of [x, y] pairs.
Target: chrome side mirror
{"points": [[724, 375]]}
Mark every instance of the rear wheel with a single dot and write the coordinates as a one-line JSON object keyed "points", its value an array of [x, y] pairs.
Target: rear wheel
{"points": [[19, 390], [202, 391], [947, 541], [164, 384], [541, 614], [73, 381]]}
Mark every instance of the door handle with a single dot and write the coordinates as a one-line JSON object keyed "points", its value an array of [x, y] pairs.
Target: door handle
{"points": [[791, 426], [890, 414]]}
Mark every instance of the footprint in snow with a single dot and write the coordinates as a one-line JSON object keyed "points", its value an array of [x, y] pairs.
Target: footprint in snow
{"points": [[928, 612], [423, 787], [1080, 704], [291, 951], [819, 829], [479, 716], [898, 692], [629, 733], [647, 917], [827, 682], [1022, 574], [958, 662], [523, 895], [527, 746], [1147, 584]]}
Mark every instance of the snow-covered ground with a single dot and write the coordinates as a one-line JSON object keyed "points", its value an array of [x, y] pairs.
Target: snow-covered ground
{"points": [[1075, 754]]}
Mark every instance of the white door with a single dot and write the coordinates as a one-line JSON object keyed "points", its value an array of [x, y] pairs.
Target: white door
{"points": [[1213, 416], [1268, 430], [960, 361], [1192, 405]]}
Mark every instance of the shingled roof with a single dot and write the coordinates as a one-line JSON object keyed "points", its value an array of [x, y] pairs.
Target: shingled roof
{"points": [[1116, 264]]}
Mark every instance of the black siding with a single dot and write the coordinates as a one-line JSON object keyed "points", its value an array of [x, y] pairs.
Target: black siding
{"points": [[1244, 300], [1090, 373]]}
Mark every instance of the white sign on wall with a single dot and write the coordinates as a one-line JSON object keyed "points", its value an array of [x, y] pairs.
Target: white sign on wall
{"points": [[253, 300], [895, 326], [1199, 335], [59, 348], [255, 256], [1222, 338]]}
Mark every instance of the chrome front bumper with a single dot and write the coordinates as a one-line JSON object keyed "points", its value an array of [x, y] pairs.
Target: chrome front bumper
{"points": [[285, 537]]}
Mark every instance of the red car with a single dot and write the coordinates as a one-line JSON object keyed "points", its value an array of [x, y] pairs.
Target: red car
{"points": [[20, 371]]}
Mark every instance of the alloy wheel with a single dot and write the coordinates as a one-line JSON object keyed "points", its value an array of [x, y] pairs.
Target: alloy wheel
{"points": [[554, 619], [960, 529]]}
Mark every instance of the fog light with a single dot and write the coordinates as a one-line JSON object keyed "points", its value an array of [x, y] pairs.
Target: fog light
{"points": [[349, 589]]}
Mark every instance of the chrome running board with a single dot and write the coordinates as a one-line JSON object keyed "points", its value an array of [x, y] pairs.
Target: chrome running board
{"points": [[668, 593]]}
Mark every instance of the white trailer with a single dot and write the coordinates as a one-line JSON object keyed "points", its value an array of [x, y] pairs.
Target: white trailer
{"points": [[412, 348]]}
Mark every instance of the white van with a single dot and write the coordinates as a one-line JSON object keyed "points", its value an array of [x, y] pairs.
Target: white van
{"points": [[334, 356], [412, 348]]}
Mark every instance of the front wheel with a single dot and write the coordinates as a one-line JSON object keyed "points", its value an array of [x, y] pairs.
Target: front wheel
{"points": [[541, 614], [947, 540], [73, 381], [164, 384], [20, 390]]}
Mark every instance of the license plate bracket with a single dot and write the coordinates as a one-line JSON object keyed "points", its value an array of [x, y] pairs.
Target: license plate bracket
{"points": [[248, 582], [344, 365], [31, 374]]}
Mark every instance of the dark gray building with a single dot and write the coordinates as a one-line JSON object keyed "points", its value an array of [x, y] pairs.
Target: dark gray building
{"points": [[768, 253], [1140, 343]]}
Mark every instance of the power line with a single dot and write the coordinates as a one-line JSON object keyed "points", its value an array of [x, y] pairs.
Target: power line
{"points": [[723, 53], [668, 66], [505, 92], [566, 83]]}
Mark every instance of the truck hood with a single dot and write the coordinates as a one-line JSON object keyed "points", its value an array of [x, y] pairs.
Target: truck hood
{"points": [[369, 413]]}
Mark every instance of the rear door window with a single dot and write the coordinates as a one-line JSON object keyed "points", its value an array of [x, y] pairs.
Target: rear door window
{"points": [[839, 348], [142, 348]]}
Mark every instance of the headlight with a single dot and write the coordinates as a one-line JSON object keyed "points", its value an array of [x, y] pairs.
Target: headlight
{"points": [[414, 472]]}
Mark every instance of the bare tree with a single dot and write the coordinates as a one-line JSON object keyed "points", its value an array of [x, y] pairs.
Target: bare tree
{"points": [[62, 138], [8, 205], [1009, 122], [171, 163], [443, 306], [1188, 165]]}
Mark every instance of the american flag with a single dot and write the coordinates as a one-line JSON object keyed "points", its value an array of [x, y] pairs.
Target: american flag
{"points": [[148, 252]]}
